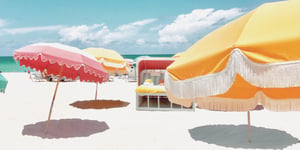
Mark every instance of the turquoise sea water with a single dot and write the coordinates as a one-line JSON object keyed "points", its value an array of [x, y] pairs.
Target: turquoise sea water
{"points": [[8, 64]]}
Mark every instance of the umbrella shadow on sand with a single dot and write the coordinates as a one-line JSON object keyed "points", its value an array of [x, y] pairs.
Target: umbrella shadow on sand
{"points": [[65, 128], [237, 136], [99, 104]]}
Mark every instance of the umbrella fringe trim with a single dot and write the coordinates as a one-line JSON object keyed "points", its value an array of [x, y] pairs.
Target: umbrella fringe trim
{"points": [[87, 69], [281, 105], [111, 64], [273, 75], [239, 105]]}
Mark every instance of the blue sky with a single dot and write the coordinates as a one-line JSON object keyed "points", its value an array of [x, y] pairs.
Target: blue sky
{"points": [[129, 27]]}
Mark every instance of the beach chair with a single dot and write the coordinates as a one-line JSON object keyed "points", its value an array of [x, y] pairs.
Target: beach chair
{"points": [[37, 76], [150, 91]]}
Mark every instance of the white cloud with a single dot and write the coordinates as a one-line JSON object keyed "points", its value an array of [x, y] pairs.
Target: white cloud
{"points": [[156, 28], [124, 32], [100, 33], [172, 39], [117, 36], [83, 33], [140, 42], [31, 29], [2, 23], [198, 20], [135, 25]]}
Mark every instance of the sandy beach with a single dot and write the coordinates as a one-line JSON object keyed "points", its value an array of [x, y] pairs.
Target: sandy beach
{"points": [[25, 105]]}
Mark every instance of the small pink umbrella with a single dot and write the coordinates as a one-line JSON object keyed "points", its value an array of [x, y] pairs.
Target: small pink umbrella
{"points": [[130, 62], [62, 60]]}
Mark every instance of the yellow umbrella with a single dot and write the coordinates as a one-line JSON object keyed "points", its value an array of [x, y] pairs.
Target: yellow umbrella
{"points": [[252, 60], [177, 55], [111, 60], [261, 46]]}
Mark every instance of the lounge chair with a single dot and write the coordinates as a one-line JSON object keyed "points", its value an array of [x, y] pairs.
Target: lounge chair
{"points": [[37, 76]]}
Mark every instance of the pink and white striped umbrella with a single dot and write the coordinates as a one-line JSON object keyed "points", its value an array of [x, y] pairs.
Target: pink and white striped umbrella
{"points": [[61, 60], [54, 56]]}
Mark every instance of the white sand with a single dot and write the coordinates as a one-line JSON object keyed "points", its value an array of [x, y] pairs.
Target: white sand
{"points": [[26, 103]]}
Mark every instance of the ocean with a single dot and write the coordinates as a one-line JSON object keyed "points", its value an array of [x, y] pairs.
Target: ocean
{"points": [[8, 64]]}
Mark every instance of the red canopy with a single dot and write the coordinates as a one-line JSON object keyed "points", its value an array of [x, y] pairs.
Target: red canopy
{"points": [[152, 63]]}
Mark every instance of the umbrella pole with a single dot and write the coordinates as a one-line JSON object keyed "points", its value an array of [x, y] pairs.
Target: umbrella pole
{"points": [[50, 112], [249, 127], [96, 91]]}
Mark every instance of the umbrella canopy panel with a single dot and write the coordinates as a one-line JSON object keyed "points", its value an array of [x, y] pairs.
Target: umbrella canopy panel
{"points": [[268, 34]]}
